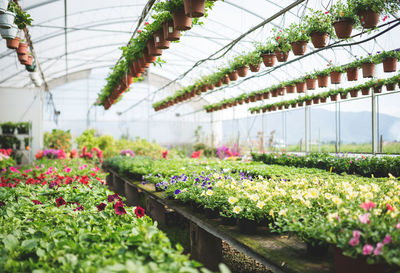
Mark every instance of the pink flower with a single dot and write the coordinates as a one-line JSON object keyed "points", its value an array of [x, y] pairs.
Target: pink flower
{"points": [[354, 241], [326, 12], [378, 249], [367, 249], [389, 207], [67, 170], [37, 202], [368, 205], [398, 225], [385, 18], [356, 234], [364, 218], [387, 239]]}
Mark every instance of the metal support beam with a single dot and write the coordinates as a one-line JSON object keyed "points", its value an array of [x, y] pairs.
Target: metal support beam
{"points": [[374, 124], [65, 38]]}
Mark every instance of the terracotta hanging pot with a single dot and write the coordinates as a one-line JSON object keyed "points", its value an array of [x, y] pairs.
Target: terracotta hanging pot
{"points": [[253, 98], [247, 100], [352, 73], [152, 50], [315, 100], [365, 91], [368, 18], [377, 89], [148, 58], [170, 33], [218, 83], [389, 65], [308, 102], [29, 62], [266, 95], [343, 96], [159, 41], [226, 79], [13, 43], [258, 97], [343, 28], [233, 76], [242, 71], [281, 56], [294, 105], [300, 103], [281, 91], [290, 89], [319, 39], [142, 63], [194, 8], [181, 21], [274, 93], [323, 100], [311, 84], [22, 49], [269, 59], [301, 87], [204, 88], [368, 70], [333, 97], [335, 77], [211, 86], [323, 81], [255, 68], [299, 48], [390, 86], [23, 58], [138, 67], [354, 93], [280, 107]]}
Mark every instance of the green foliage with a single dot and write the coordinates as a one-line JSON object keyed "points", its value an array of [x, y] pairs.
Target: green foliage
{"points": [[268, 47], [22, 18], [319, 21], [281, 39], [296, 33], [58, 139], [380, 6], [88, 139]]}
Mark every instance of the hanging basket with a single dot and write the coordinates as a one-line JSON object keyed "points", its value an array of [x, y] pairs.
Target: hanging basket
{"points": [[143, 64], [389, 65], [22, 49], [181, 21], [333, 97], [335, 77], [255, 68], [290, 89], [315, 100], [218, 83], [3, 6], [319, 39], [269, 59], [226, 79], [274, 93], [368, 18], [354, 93], [343, 96], [300, 103], [352, 73], [159, 41], [365, 91], [194, 8], [23, 58], [368, 70], [281, 56], [204, 88], [242, 71], [13, 43], [148, 58], [266, 95], [377, 89], [211, 86], [170, 33], [152, 50], [299, 48], [9, 33], [7, 19], [233, 76], [29, 62], [311, 84], [281, 91], [390, 86], [308, 102], [323, 81], [323, 100], [138, 67], [301, 87], [343, 28]]}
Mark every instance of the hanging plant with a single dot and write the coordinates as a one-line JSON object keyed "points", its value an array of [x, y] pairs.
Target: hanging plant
{"points": [[297, 37], [388, 59], [282, 45], [267, 52], [369, 11], [344, 18], [319, 27]]}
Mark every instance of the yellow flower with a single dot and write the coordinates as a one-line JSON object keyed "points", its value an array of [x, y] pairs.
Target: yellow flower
{"points": [[341, 13], [216, 176], [237, 209], [254, 197], [369, 196], [313, 193], [283, 212], [202, 193], [337, 200], [332, 216], [260, 204], [219, 183], [271, 213], [209, 192], [232, 200]]}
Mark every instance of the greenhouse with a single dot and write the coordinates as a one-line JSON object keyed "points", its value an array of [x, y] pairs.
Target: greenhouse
{"points": [[200, 136]]}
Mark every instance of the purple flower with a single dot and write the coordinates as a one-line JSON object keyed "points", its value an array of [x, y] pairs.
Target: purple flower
{"points": [[101, 206], [177, 192]]}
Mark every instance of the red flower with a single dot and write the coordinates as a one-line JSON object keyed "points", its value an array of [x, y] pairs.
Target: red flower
{"points": [[196, 154], [326, 12], [79, 208], [139, 211], [389, 207], [384, 18], [111, 198], [165, 154], [101, 207], [37, 202], [119, 208], [277, 38], [139, 31], [146, 23], [60, 201]]}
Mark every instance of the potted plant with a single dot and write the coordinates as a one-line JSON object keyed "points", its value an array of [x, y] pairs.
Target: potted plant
{"points": [[311, 81], [323, 77], [283, 46], [267, 52], [298, 38], [194, 8], [8, 128], [239, 64], [323, 96], [3, 6], [333, 94], [319, 27], [352, 71], [290, 87], [377, 86], [354, 92], [391, 83], [254, 61], [7, 19], [344, 18], [336, 74], [368, 66], [176, 8], [388, 59], [369, 11], [300, 85], [22, 20], [343, 93]]}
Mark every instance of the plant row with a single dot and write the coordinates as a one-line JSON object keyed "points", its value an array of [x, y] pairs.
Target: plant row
{"points": [[317, 26], [169, 19], [58, 216], [9, 127], [370, 166], [360, 216], [318, 78], [12, 20]]}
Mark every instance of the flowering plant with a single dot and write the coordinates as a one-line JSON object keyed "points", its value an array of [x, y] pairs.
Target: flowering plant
{"points": [[127, 152], [281, 39], [319, 21], [296, 33]]}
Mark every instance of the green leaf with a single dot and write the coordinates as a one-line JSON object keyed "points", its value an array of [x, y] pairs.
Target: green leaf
{"points": [[29, 244], [10, 242], [40, 252]]}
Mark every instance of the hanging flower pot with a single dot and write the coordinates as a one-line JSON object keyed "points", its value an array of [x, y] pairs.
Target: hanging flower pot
{"points": [[368, 18], [138, 67], [308, 102], [352, 73], [335, 77], [9, 33], [269, 59], [315, 100], [343, 28], [365, 91], [301, 87], [255, 68], [300, 103], [23, 58], [354, 93], [7, 19], [343, 96], [253, 98], [194, 8], [322, 80], [274, 93], [225, 79], [211, 86], [368, 70], [218, 83], [29, 62], [204, 88], [333, 97], [311, 84], [323, 100], [13, 43], [294, 105], [259, 97], [240, 102], [280, 107], [152, 50], [265, 95], [3, 6], [148, 58], [22, 49], [242, 71], [247, 100], [377, 89], [390, 86], [281, 55], [159, 41], [299, 48], [290, 89], [389, 65], [170, 33], [233, 76], [281, 91], [319, 39], [181, 21], [142, 63]]}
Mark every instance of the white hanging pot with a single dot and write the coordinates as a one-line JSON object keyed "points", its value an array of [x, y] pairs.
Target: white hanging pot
{"points": [[7, 19], [3, 6], [9, 33]]}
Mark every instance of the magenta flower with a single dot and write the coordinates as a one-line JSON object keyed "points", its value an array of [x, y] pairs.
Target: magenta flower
{"points": [[37, 202], [101, 206], [368, 205], [364, 218], [79, 208], [387, 239], [112, 197], [60, 201], [367, 249], [354, 241], [119, 208], [378, 249]]}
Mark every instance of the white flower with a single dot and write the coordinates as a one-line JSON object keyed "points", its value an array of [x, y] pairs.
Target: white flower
{"points": [[254, 197], [237, 209], [232, 200], [260, 204], [283, 212], [209, 192]]}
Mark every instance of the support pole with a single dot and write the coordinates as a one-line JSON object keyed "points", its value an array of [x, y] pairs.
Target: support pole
{"points": [[374, 124], [307, 114]]}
